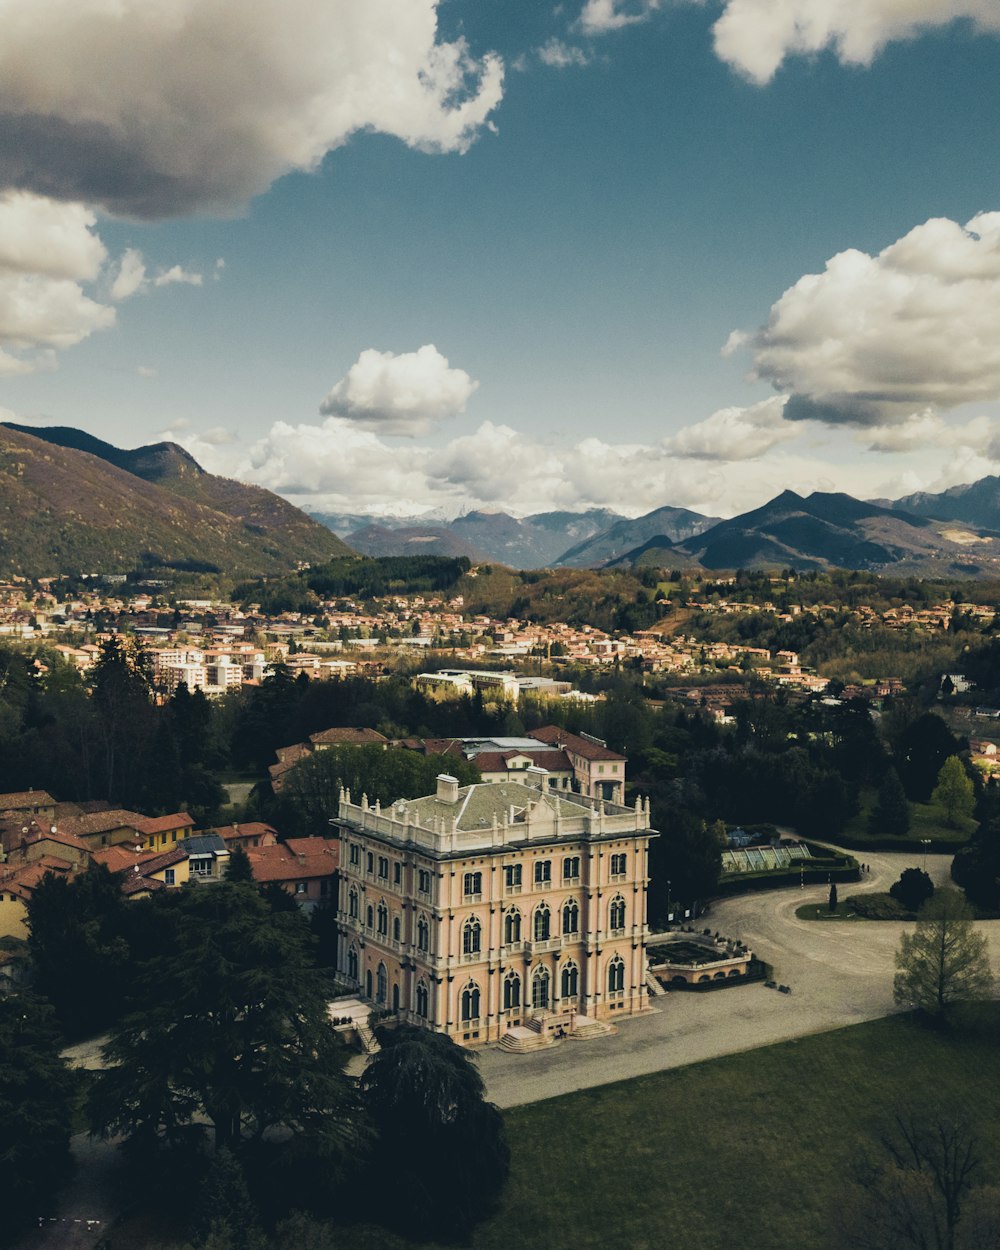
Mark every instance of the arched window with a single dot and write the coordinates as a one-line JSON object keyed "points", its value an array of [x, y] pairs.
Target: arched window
{"points": [[423, 934], [383, 919], [616, 975], [571, 916], [616, 913], [569, 985], [472, 933], [396, 928], [382, 987], [512, 927], [470, 1002], [542, 925], [370, 917], [511, 991], [540, 988], [422, 999], [352, 962], [352, 903]]}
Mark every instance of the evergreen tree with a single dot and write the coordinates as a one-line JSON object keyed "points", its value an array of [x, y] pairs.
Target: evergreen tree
{"points": [[36, 1094], [239, 868], [833, 896], [423, 1088], [891, 813], [913, 888], [229, 1025]]}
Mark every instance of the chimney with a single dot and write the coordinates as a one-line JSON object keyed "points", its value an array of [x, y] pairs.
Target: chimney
{"points": [[535, 776], [447, 788]]}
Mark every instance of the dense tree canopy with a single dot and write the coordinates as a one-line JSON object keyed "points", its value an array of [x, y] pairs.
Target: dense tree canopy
{"points": [[443, 1145]]}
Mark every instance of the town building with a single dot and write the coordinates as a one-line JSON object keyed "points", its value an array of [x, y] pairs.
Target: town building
{"points": [[492, 908]]}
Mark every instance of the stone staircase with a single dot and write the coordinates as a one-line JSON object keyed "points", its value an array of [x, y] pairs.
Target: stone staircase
{"points": [[654, 986], [368, 1040], [523, 1039], [585, 1028]]}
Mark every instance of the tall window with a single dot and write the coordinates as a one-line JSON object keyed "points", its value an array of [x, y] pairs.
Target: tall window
{"points": [[471, 937], [511, 991], [352, 903], [616, 975], [422, 999], [397, 873], [355, 855], [472, 884], [616, 913], [423, 881], [512, 927], [382, 985], [619, 865], [383, 919], [369, 917], [571, 917], [543, 871], [383, 868], [542, 925], [352, 963], [512, 876], [423, 934], [470, 1002], [540, 988], [397, 928], [569, 985], [370, 863], [571, 868]]}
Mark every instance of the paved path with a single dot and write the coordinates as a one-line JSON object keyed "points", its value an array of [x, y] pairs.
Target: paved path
{"points": [[840, 973], [86, 1207]]}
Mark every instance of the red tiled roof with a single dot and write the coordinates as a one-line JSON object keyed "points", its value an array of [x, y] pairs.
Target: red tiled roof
{"points": [[581, 746], [165, 824], [251, 829], [294, 860], [19, 800], [348, 736]]}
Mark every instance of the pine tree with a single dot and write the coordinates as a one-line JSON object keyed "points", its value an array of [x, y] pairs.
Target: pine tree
{"points": [[891, 813], [944, 961]]}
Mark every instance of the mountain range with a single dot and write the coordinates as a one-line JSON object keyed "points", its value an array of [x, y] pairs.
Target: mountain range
{"points": [[70, 503]]}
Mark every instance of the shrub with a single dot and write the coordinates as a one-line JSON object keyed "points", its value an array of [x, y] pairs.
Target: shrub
{"points": [[877, 907]]}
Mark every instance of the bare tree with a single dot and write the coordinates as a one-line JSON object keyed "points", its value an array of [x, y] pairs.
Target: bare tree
{"points": [[922, 1192]]}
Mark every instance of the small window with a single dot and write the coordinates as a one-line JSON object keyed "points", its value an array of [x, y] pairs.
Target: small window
{"points": [[301, 887], [383, 868], [619, 865], [423, 881], [370, 863], [397, 873], [571, 868], [512, 876], [543, 871], [472, 884], [355, 854], [369, 917], [168, 877]]}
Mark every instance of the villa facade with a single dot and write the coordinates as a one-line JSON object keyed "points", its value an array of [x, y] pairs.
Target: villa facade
{"points": [[492, 907]]}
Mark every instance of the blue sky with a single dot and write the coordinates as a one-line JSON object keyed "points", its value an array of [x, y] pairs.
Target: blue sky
{"points": [[392, 255]]}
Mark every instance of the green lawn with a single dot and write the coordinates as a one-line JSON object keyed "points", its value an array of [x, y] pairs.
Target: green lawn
{"points": [[926, 821], [749, 1151], [745, 1151]]}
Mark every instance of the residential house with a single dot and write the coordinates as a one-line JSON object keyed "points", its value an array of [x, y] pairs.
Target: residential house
{"points": [[305, 867]]}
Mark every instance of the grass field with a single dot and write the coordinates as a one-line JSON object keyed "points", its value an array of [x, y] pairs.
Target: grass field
{"points": [[926, 821], [749, 1151]]}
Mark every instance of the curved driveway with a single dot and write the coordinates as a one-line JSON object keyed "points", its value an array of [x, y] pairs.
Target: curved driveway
{"points": [[840, 973]]}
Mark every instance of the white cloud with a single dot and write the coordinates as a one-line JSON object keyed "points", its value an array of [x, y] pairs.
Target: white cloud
{"points": [[600, 16], [735, 433], [404, 394], [132, 277], [755, 36], [41, 237], [153, 108], [147, 371], [874, 339], [559, 55]]}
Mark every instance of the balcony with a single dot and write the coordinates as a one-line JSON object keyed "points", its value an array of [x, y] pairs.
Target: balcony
{"points": [[541, 948]]}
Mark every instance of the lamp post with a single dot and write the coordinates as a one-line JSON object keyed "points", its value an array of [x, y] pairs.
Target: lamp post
{"points": [[668, 904], [926, 843]]}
